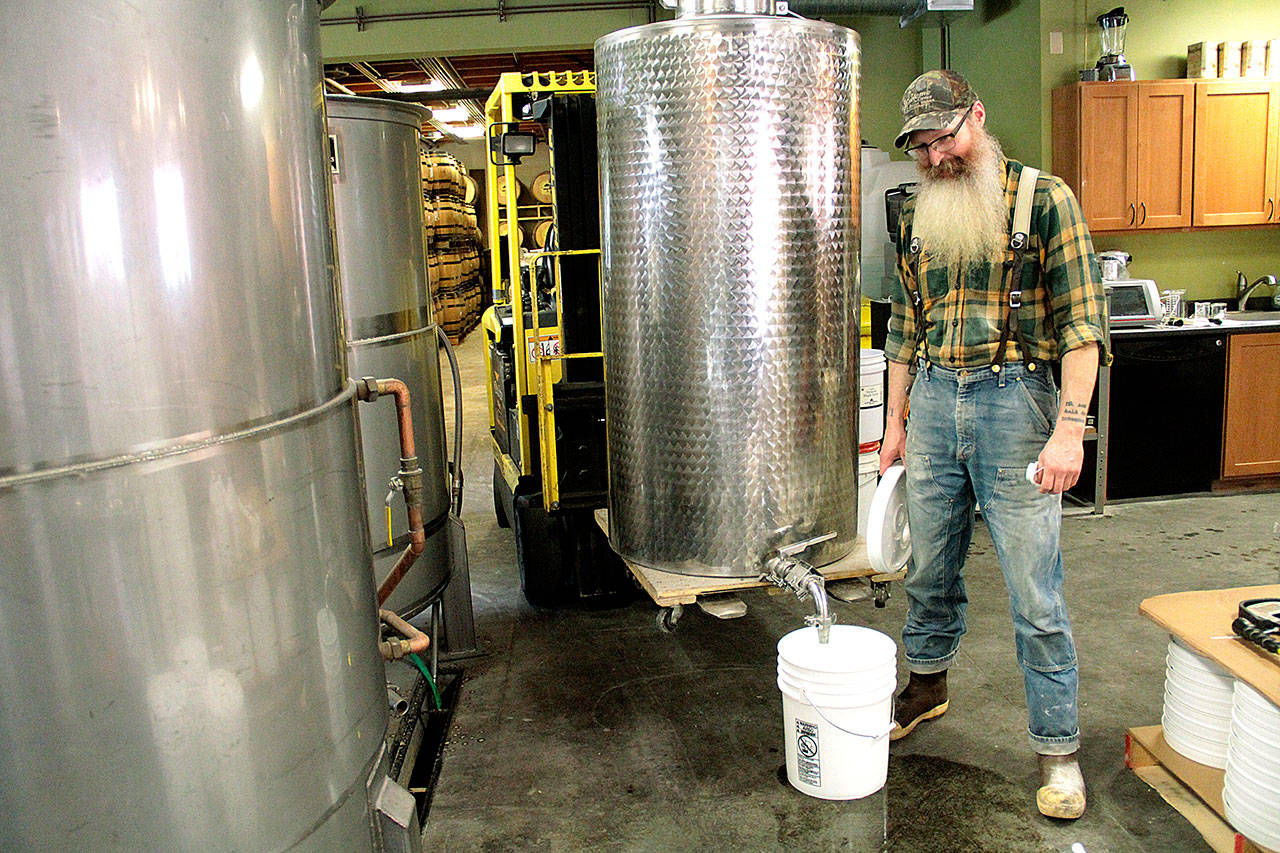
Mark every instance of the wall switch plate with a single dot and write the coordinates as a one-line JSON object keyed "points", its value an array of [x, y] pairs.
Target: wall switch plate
{"points": [[1055, 42]]}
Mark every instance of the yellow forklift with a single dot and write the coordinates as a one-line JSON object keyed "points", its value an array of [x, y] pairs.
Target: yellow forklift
{"points": [[543, 342]]}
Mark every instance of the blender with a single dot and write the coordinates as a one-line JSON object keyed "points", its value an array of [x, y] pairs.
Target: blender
{"points": [[1112, 65]]}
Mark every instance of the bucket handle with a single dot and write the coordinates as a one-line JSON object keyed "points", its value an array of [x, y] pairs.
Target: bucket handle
{"points": [[827, 720]]}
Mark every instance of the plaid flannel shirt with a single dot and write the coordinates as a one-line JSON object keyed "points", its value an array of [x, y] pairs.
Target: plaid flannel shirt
{"points": [[1062, 297]]}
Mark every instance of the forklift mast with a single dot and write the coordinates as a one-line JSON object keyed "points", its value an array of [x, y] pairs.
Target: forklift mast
{"points": [[544, 341]]}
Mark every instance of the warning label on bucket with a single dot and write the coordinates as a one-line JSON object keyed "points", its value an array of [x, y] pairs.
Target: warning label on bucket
{"points": [[808, 763]]}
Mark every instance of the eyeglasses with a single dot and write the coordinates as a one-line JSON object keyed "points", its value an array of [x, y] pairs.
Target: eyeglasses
{"points": [[942, 144]]}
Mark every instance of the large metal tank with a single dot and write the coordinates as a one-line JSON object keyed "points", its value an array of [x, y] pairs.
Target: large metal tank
{"points": [[389, 322], [730, 182], [188, 645]]}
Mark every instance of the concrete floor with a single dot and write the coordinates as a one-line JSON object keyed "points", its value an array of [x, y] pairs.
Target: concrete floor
{"points": [[594, 731]]}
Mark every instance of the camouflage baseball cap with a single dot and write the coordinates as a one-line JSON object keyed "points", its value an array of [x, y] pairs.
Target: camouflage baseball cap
{"points": [[933, 101]]}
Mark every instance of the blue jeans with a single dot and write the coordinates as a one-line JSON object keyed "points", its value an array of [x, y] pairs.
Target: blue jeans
{"points": [[970, 436]]}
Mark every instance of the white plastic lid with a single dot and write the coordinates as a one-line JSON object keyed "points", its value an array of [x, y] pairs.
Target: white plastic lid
{"points": [[888, 534]]}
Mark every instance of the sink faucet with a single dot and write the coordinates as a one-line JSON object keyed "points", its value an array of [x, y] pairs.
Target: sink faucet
{"points": [[1244, 290]]}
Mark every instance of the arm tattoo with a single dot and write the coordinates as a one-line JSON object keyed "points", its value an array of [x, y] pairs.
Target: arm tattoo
{"points": [[1074, 412]]}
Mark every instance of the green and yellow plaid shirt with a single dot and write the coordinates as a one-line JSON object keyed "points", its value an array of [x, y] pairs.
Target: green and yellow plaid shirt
{"points": [[1062, 297]]}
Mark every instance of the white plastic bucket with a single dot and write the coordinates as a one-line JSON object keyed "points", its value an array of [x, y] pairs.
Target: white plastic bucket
{"points": [[868, 476], [871, 368], [837, 710]]}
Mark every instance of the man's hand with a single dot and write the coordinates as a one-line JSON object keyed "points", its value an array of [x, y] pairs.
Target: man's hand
{"points": [[894, 444], [1063, 454], [1060, 463]]}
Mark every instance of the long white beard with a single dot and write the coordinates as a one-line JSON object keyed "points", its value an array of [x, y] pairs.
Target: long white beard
{"points": [[962, 218]]}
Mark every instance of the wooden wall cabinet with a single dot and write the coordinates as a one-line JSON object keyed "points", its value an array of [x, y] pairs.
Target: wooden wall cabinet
{"points": [[1251, 440], [1237, 148], [1126, 149]]}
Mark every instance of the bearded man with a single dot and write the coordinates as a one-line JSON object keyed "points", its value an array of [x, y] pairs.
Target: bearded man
{"points": [[979, 320]]}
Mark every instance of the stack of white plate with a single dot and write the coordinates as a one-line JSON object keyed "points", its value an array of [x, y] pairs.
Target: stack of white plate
{"points": [[1197, 706], [1251, 789]]}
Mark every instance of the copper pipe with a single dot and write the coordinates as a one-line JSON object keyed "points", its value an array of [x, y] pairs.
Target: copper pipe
{"points": [[368, 389], [400, 391], [417, 544], [394, 649]]}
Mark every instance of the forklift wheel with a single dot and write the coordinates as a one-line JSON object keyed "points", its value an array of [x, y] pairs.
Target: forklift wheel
{"points": [[498, 509]]}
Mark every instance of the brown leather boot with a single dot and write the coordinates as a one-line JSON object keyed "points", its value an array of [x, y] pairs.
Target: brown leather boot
{"points": [[924, 698], [1061, 791]]}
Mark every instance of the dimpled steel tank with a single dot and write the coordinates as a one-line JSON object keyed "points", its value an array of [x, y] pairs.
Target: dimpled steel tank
{"points": [[390, 327], [730, 179], [188, 641]]}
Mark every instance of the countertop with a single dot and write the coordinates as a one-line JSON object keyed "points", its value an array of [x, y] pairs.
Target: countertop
{"points": [[1191, 327]]}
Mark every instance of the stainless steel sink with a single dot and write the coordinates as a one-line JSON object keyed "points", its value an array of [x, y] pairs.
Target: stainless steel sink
{"points": [[1251, 318], [1272, 316]]}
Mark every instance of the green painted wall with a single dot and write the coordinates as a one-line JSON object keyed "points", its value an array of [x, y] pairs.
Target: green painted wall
{"points": [[996, 49]]}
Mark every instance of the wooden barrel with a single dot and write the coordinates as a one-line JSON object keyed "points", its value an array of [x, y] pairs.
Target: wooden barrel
{"points": [[433, 272], [540, 233], [469, 189], [541, 187], [502, 191]]}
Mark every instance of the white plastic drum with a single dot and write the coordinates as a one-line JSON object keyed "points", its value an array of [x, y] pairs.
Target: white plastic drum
{"points": [[871, 394]]}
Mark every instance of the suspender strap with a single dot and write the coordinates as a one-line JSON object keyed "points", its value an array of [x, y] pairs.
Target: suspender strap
{"points": [[1018, 242], [917, 300]]}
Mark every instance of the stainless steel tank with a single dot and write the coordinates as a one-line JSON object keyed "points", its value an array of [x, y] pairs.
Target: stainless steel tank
{"points": [[188, 645], [390, 326], [729, 174]]}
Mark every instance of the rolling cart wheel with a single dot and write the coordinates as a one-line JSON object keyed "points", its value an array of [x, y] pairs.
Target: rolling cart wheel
{"points": [[668, 617]]}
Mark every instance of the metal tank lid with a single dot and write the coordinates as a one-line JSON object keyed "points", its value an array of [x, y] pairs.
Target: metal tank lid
{"points": [[375, 109], [725, 22]]}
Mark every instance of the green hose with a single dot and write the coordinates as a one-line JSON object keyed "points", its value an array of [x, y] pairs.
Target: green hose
{"points": [[435, 694]]}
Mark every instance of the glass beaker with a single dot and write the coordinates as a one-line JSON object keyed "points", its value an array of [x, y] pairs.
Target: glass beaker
{"points": [[1171, 303]]}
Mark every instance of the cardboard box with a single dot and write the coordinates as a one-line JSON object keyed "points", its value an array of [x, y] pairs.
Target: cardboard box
{"points": [[1229, 58], [1253, 58], [1202, 59]]}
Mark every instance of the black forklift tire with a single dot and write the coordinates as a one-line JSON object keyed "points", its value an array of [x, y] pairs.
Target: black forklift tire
{"points": [[498, 509]]}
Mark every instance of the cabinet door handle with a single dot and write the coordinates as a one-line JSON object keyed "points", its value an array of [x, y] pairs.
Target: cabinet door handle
{"points": [[1133, 212], [1144, 214], [1272, 203]]}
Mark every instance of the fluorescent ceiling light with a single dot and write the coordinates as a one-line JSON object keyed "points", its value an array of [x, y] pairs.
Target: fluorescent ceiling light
{"points": [[451, 114], [429, 86], [466, 131]]}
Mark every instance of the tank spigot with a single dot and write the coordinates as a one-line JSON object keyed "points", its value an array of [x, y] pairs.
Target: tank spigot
{"points": [[788, 571]]}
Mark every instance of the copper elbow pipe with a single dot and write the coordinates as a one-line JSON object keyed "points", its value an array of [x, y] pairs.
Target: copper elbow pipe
{"points": [[368, 389], [404, 415], [416, 642]]}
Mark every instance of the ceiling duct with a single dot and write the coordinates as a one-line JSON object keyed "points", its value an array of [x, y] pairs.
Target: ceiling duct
{"points": [[906, 10]]}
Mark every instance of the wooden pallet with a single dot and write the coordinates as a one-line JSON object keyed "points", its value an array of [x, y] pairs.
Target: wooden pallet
{"points": [[1194, 789], [668, 589]]}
